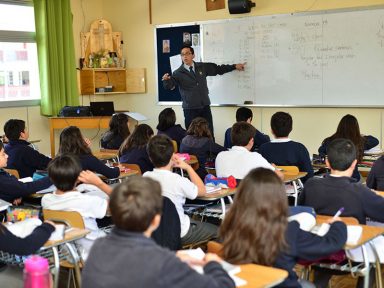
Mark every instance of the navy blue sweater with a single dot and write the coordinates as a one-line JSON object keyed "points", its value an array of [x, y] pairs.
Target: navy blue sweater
{"points": [[258, 140], [375, 178], [111, 141], [90, 162], [24, 158], [137, 156], [11, 188], [289, 153], [175, 132]]}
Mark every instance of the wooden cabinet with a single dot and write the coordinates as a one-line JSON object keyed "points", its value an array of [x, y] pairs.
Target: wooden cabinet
{"points": [[91, 80]]}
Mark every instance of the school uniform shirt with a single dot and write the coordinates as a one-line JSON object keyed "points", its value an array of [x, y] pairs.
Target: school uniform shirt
{"points": [[327, 195], [149, 265], [238, 161], [137, 156], [258, 139], [177, 189], [175, 132], [90, 162], [11, 188], [375, 179], [111, 141], [307, 246], [25, 159], [286, 152]]}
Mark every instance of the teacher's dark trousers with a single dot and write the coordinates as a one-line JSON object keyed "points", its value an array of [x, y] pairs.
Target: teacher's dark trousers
{"points": [[205, 112]]}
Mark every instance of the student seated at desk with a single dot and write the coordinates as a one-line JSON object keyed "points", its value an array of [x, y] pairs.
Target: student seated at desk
{"points": [[339, 189], [245, 114], [178, 188], [73, 142], [128, 257], [266, 237], [375, 179], [167, 126], [11, 189], [282, 150], [239, 160], [349, 128], [134, 148], [65, 171], [21, 156], [117, 133], [199, 142], [12, 276]]}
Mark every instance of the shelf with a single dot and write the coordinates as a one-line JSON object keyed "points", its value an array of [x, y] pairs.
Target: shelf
{"points": [[90, 79]]}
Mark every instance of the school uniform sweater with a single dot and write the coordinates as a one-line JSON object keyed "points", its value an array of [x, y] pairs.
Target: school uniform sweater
{"points": [[90, 162], [111, 141], [286, 152], [175, 132], [137, 156], [375, 179], [11, 188], [258, 139], [136, 261], [327, 195], [24, 158]]}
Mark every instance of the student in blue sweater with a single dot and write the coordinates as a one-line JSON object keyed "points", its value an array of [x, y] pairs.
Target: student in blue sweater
{"points": [[21, 156], [282, 150], [117, 133], [266, 237], [245, 114], [73, 142], [167, 126]]}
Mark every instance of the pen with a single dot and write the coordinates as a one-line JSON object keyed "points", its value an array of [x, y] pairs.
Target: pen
{"points": [[338, 213]]}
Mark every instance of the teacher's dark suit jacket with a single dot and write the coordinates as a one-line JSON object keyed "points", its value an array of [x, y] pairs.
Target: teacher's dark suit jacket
{"points": [[193, 87]]}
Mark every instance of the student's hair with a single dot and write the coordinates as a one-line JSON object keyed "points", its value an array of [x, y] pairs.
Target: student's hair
{"points": [[254, 229], [281, 124], [199, 127], [243, 114], [135, 202], [160, 150], [13, 128], [63, 171], [189, 47], [1, 145], [349, 128], [241, 133], [72, 141], [138, 139], [118, 125], [167, 119], [341, 153]]}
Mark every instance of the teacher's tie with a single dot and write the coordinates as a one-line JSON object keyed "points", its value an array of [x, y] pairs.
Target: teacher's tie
{"points": [[191, 70]]}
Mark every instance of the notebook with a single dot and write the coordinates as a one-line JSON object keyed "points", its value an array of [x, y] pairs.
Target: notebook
{"points": [[105, 108]]}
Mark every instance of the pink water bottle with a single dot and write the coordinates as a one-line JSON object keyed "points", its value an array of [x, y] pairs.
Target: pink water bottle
{"points": [[36, 272]]}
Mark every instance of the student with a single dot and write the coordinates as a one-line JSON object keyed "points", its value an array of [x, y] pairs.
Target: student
{"points": [[178, 188], [73, 142], [375, 179], [167, 125], [266, 237], [11, 189], [133, 150], [64, 171], [199, 142], [134, 259], [349, 128], [239, 160], [117, 133], [22, 156], [282, 150], [245, 114]]}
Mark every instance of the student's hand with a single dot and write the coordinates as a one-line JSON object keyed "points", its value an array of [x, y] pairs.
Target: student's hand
{"points": [[166, 77], [184, 257], [280, 174], [89, 177], [87, 141], [17, 201], [333, 219], [179, 163], [212, 257], [240, 66]]}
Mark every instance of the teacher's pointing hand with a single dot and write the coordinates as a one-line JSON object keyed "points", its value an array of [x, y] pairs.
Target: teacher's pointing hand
{"points": [[240, 66]]}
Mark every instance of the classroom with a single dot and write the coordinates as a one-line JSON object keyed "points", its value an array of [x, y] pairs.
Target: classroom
{"points": [[136, 20]]}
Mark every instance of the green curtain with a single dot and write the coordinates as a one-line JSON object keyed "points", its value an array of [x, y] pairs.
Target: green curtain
{"points": [[56, 55]]}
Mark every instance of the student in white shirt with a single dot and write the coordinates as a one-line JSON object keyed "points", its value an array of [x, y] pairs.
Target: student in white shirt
{"points": [[178, 188], [239, 160], [65, 172]]}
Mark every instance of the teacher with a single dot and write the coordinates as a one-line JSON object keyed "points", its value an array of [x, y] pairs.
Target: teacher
{"points": [[191, 77]]}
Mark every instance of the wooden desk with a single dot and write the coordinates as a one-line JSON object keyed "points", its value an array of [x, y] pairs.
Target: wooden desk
{"points": [[106, 154], [292, 177], [258, 276], [81, 122]]}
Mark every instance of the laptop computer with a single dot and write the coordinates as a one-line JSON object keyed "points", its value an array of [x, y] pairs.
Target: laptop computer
{"points": [[105, 108]]}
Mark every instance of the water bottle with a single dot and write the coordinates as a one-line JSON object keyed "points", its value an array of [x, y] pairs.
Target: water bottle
{"points": [[36, 272]]}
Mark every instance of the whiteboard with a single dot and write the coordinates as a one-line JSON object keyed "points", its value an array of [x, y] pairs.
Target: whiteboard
{"points": [[329, 59]]}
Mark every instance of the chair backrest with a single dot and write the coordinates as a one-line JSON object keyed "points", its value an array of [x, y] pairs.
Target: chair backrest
{"points": [[289, 170], [168, 232], [174, 143], [132, 167], [215, 247], [70, 218], [13, 172]]}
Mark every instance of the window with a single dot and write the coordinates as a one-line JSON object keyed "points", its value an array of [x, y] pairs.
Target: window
{"points": [[19, 74]]}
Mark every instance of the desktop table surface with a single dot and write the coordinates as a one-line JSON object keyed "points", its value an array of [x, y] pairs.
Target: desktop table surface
{"points": [[71, 235], [258, 276]]}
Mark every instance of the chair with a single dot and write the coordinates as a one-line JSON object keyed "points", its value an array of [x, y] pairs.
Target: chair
{"points": [[296, 183], [71, 219], [175, 149], [215, 247], [13, 172]]}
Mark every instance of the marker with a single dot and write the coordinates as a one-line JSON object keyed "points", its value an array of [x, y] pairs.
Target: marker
{"points": [[338, 213]]}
